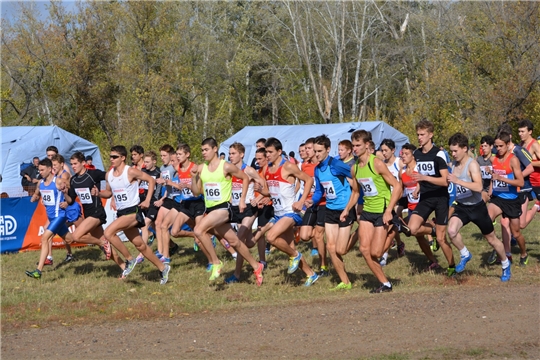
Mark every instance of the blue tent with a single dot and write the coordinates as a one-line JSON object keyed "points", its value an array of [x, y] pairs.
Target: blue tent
{"points": [[21, 143], [291, 136]]}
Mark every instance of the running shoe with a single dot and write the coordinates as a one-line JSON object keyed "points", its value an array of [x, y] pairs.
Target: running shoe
{"points": [[232, 279], [174, 249], [106, 248], [462, 263], [165, 275], [234, 255], [434, 244], [537, 204], [48, 262], [69, 258], [451, 271], [394, 244], [216, 271], [342, 286], [265, 264], [165, 260], [401, 249], [524, 260], [314, 252], [405, 229], [151, 239], [294, 262], [259, 274], [323, 272], [506, 274], [433, 266], [36, 274], [130, 265], [381, 289], [311, 279], [158, 254], [209, 267], [382, 261], [195, 246], [492, 259], [140, 258]]}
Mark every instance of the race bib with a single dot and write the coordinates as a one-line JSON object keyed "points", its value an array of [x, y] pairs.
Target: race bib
{"points": [[236, 193], [409, 193], [165, 175], [462, 192], [329, 189], [426, 167], [186, 192], [276, 199], [212, 191], [368, 186], [120, 196], [47, 197], [499, 185], [84, 195], [486, 172]]}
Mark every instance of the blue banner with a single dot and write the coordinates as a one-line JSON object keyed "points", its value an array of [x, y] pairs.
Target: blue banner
{"points": [[15, 217]]}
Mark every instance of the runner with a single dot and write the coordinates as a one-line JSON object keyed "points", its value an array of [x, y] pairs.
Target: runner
{"points": [[506, 177], [484, 160], [345, 152], [137, 157], [376, 218], [525, 129], [50, 152], [122, 181], [467, 178], [213, 179], [53, 191], [334, 180], [259, 144], [246, 218], [432, 176], [281, 176]]}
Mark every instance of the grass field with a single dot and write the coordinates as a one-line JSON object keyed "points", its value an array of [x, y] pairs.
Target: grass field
{"points": [[89, 290]]}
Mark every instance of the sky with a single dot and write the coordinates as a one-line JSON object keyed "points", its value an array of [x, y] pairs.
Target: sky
{"points": [[10, 8]]}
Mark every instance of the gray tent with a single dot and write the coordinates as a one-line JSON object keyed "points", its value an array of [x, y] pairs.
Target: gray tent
{"points": [[291, 136]]}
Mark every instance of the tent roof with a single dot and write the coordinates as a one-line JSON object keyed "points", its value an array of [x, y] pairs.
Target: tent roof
{"points": [[21, 143], [291, 136]]}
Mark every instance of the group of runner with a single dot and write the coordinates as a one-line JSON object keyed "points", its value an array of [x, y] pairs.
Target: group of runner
{"points": [[317, 197]]}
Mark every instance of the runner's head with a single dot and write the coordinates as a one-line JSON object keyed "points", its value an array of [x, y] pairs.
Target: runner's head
{"points": [[486, 144], [183, 153], [51, 151], [507, 128], [321, 147], [58, 163], [360, 142], [310, 154], [45, 168], [407, 152], [502, 142], [137, 153], [302, 151], [260, 143], [260, 157], [150, 160], [424, 132], [118, 155], [236, 153], [209, 147], [77, 161], [525, 129], [459, 145], [274, 148], [166, 152], [371, 146], [388, 146], [35, 161], [344, 149]]}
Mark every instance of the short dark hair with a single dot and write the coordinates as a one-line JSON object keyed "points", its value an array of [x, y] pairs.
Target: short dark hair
{"points": [[487, 139], [458, 139], [408, 146], [261, 140], [35, 157], [137, 148], [426, 125], [58, 158], [238, 147], [52, 148], [46, 162], [526, 123], [388, 142], [79, 156], [167, 148], [210, 141], [506, 127], [291, 154], [120, 149], [151, 154], [88, 158], [503, 136], [275, 143], [222, 154], [322, 140], [311, 140], [184, 147], [363, 135], [261, 151]]}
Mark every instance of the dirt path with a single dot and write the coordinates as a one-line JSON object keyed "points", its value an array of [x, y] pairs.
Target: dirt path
{"points": [[466, 323]]}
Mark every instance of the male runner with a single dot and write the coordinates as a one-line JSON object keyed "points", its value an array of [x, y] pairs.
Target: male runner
{"points": [[137, 156], [213, 179], [525, 129], [484, 160], [281, 176], [467, 179]]}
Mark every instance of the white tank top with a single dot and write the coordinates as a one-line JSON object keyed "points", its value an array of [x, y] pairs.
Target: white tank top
{"points": [[281, 192], [394, 170], [125, 194]]}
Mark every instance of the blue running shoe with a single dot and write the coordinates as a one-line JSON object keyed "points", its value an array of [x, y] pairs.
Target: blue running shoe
{"points": [[209, 267], [294, 262], [232, 279], [506, 274], [158, 254], [311, 279], [130, 265], [214, 241], [314, 252], [464, 260]]}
